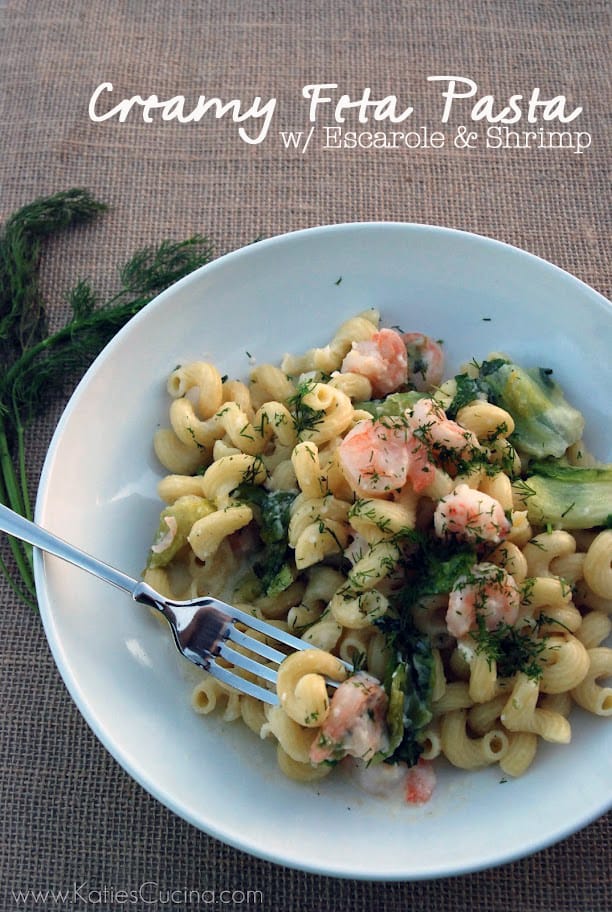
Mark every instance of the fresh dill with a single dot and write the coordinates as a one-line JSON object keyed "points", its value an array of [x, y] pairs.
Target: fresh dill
{"points": [[305, 417], [37, 365], [513, 648]]}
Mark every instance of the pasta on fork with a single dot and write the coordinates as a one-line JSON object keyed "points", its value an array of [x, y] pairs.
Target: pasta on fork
{"points": [[448, 539]]}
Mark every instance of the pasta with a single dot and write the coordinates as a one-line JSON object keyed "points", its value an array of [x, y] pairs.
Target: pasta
{"points": [[397, 521]]}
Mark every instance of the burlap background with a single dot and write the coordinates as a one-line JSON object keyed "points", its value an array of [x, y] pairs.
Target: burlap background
{"points": [[69, 814]]}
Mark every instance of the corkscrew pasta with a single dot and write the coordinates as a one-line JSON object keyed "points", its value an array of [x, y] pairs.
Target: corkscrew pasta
{"points": [[415, 528]]}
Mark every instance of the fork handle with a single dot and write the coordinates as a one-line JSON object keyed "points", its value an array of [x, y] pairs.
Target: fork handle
{"points": [[27, 531]]}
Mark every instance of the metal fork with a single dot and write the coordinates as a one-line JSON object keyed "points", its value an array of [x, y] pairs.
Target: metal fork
{"points": [[202, 628]]}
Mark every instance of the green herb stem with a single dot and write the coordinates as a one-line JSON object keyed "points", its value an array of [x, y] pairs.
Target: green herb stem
{"points": [[10, 494], [37, 366]]}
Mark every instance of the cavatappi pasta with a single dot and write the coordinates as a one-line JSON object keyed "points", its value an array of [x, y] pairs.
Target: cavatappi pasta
{"points": [[438, 534]]}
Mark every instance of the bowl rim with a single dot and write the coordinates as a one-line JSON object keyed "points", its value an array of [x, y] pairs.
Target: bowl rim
{"points": [[359, 226]]}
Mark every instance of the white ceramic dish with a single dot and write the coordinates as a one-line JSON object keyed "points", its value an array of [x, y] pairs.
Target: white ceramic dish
{"points": [[98, 491]]}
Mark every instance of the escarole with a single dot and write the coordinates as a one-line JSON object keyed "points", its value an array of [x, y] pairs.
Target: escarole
{"points": [[567, 497], [545, 422], [272, 568], [431, 568]]}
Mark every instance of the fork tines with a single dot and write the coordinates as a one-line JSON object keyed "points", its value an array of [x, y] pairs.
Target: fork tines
{"points": [[214, 638]]}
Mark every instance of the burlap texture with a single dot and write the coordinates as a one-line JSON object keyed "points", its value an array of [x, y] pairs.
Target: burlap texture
{"points": [[69, 813]]}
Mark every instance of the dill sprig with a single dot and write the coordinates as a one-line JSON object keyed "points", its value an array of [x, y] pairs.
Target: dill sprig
{"points": [[513, 648], [305, 417], [22, 313], [37, 366]]}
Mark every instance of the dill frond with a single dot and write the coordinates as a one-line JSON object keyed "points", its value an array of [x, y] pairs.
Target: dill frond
{"points": [[38, 367]]}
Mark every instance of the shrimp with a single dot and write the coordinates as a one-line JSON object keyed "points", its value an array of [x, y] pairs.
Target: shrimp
{"points": [[374, 457], [489, 593], [420, 463], [394, 781], [472, 516], [379, 457], [429, 423], [425, 361], [382, 359], [420, 782], [440, 440], [356, 724]]}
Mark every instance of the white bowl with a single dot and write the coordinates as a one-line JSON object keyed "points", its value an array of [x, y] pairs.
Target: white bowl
{"points": [[98, 490]]}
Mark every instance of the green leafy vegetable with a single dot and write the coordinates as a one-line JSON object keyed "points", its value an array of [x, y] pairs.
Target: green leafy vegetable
{"points": [[395, 713], [468, 389], [273, 513], [175, 523], [431, 568], [392, 405], [37, 366], [545, 423], [441, 564], [568, 497], [409, 709], [409, 686]]}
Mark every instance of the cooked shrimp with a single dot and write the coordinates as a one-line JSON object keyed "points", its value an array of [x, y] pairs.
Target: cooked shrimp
{"points": [[420, 464], [488, 592], [429, 423], [379, 457], [356, 724], [374, 457], [382, 359], [420, 782], [440, 440], [396, 781], [425, 361], [472, 516]]}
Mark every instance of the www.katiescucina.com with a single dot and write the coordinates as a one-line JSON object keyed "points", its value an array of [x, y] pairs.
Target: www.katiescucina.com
{"points": [[148, 895]]}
